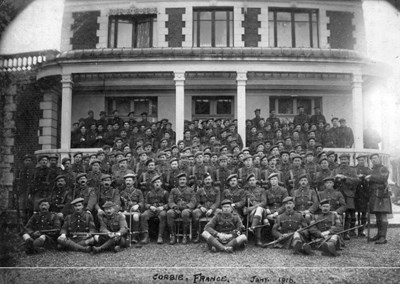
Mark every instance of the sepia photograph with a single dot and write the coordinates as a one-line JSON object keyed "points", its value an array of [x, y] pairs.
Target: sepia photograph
{"points": [[207, 141]]}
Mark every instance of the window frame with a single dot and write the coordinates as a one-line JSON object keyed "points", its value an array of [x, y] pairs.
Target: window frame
{"points": [[213, 107], [212, 10], [292, 12], [275, 105], [134, 20], [131, 105]]}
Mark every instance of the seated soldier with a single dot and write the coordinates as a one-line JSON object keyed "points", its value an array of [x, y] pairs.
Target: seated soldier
{"points": [[61, 197], [77, 230], [208, 198], [327, 229], [114, 227], [156, 204], [287, 226], [182, 200], [222, 233], [305, 199], [132, 204], [42, 229], [103, 193], [235, 193], [336, 198], [256, 201]]}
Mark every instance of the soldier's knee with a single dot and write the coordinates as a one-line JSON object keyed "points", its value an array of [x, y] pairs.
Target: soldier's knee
{"points": [[206, 235], [136, 217], [241, 239], [259, 211]]}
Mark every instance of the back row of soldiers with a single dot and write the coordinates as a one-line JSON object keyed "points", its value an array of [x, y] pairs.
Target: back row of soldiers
{"points": [[192, 189]]}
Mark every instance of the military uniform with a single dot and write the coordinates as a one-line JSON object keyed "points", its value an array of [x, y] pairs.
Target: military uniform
{"points": [[208, 197], [257, 200], [238, 197], [86, 193], [305, 199], [294, 174], [182, 201], [332, 225], [94, 179], [319, 177], [60, 200], [158, 199], [119, 178], [35, 231], [336, 200], [220, 176], [41, 188]]}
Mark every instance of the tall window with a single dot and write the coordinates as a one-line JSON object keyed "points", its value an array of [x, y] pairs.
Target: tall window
{"points": [[131, 31], [212, 27], [207, 106], [125, 105], [293, 28], [287, 106]]}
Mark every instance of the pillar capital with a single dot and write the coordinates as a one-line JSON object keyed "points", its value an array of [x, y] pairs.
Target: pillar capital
{"points": [[66, 80], [241, 76], [357, 79], [179, 76]]}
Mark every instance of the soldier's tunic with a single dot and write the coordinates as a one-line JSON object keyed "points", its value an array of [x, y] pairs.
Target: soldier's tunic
{"points": [[244, 172], [286, 223], [86, 193], [208, 197], [305, 199], [41, 188], [362, 191], [78, 223], [103, 194], [119, 181], [145, 180], [171, 180], [44, 221], [319, 178], [265, 174], [78, 168], [70, 177], [275, 196], [130, 197], [24, 186], [114, 223], [336, 200], [54, 171], [238, 197], [257, 198], [156, 198], [293, 181], [196, 173], [227, 223], [332, 224], [94, 179], [380, 196], [183, 199], [60, 200], [220, 176], [311, 169], [348, 187]]}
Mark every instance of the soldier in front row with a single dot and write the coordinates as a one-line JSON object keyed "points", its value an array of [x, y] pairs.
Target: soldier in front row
{"points": [[222, 233], [41, 229], [286, 228], [181, 201], [77, 230], [113, 224], [327, 229]]}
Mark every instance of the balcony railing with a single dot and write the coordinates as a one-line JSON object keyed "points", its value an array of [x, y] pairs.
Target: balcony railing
{"points": [[25, 61]]}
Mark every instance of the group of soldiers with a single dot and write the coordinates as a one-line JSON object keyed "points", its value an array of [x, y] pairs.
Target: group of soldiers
{"points": [[282, 196]]}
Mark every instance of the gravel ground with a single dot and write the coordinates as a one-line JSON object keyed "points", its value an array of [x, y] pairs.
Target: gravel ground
{"points": [[359, 262]]}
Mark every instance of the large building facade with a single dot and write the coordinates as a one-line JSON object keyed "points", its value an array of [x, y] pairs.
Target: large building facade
{"points": [[186, 60]]}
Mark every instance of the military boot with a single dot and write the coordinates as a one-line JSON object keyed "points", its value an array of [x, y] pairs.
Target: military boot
{"points": [[382, 234], [297, 246], [145, 239], [161, 229], [76, 247], [213, 242], [329, 248], [109, 243], [376, 237], [185, 236], [361, 233], [259, 242], [196, 230], [352, 233], [346, 236], [29, 248]]}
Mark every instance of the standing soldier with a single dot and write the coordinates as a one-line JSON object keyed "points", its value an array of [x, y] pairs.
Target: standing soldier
{"points": [[222, 173], [42, 228], [295, 173], [41, 188], [23, 187], [208, 199], [146, 177], [327, 229], [235, 193], [54, 169], [302, 117], [248, 169], [77, 230], [132, 203], [346, 182], [94, 176], [196, 172], [320, 175], [84, 191], [114, 225], [222, 233], [305, 199], [170, 177], [70, 176], [335, 197], [156, 205], [181, 201], [311, 166], [61, 197], [380, 203], [286, 228], [362, 193], [121, 173], [256, 206], [77, 166]]}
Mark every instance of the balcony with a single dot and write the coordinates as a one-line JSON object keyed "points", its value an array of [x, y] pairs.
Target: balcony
{"points": [[25, 61]]}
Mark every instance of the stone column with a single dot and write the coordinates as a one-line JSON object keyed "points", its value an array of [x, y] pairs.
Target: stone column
{"points": [[66, 105], [358, 112], [241, 104], [48, 122], [179, 104]]}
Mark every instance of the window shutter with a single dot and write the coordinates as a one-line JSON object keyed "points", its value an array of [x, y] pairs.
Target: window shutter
{"points": [[341, 29], [84, 30]]}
